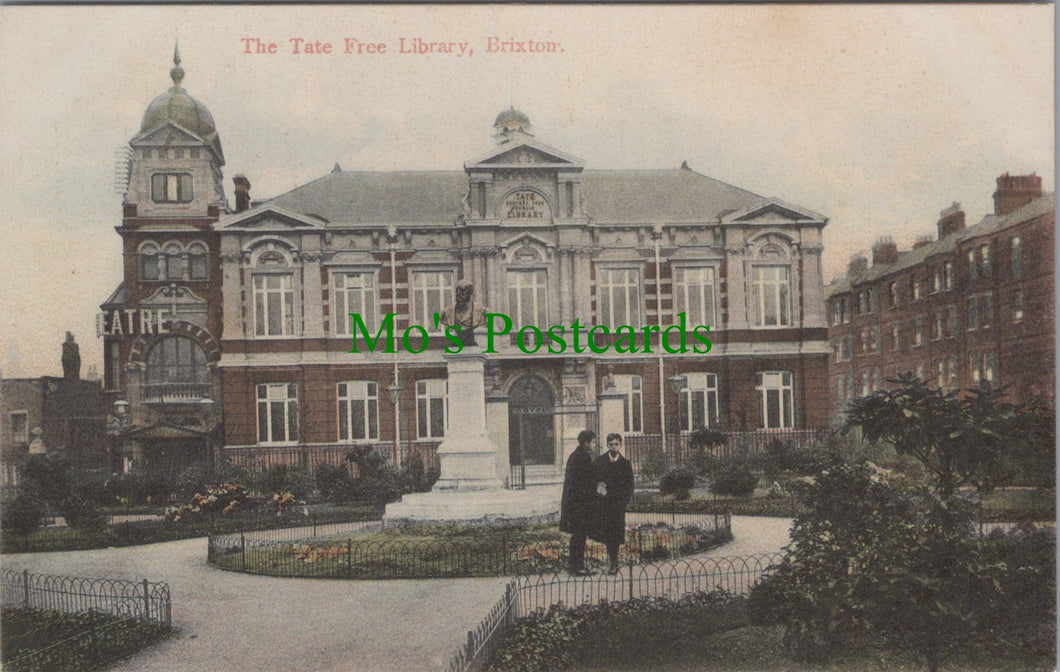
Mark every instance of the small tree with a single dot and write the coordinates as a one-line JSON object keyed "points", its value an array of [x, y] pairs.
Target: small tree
{"points": [[960, 440]]}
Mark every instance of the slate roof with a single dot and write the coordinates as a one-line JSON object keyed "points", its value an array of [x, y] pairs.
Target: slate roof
{"points": [[988, 225], [436, 197]]}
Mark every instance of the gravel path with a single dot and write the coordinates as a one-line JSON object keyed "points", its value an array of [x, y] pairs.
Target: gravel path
{"points": [[230, 621]]}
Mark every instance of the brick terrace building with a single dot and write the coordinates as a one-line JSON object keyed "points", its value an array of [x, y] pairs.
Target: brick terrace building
{"points": [[264, 319], [976, 304]]}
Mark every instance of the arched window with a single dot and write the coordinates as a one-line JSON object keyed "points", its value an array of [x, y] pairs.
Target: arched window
{"points": [[174, 261], [149, 262], [176, 369], [197, 268]]}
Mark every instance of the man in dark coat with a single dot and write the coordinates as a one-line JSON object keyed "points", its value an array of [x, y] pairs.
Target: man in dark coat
{"points": [[578, 505], [614, 485]]}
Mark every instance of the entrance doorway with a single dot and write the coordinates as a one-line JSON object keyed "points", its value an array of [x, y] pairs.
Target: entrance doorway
{"points": [[531, 427]]}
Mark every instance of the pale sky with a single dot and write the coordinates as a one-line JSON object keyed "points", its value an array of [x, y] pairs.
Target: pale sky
{"points": [[875, 116]]}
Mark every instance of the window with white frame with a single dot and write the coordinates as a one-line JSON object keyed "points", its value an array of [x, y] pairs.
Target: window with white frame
{"points": [[939, 330], [273, 304], [19, 427], [699, 401], [618, 299], [915, 288], [973, 268], [149, 268], [947, 275], [988, 310], [895, 342], [278, 413], [432, 292], [777, 393], [171, 188], [358, 410], [984, 253], [892, 292], [772, 295], [918, 330], [528, 298], [694, 294], [355, 292], [431, 415], [633, 404], [174, 261]]}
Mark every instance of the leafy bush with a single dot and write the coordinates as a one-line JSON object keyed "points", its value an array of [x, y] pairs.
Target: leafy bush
{"points": [[678, 483], [194, 478], [288, 478], [416, 477], [734, 480], [705, 437], [46, 478], [22, 514], [334, 482], [786, 457], [654, 464], [82, 511]]}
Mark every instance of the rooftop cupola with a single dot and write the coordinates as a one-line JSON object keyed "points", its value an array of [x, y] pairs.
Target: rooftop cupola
{"points": [[511, 125], [177, 106]]}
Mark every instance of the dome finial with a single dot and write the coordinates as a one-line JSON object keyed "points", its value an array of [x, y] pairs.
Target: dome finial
{"points": [[177, 73]]}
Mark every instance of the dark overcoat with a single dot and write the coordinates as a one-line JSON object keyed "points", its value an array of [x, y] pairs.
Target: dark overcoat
{"points": [[611, 508], [578, 503]]}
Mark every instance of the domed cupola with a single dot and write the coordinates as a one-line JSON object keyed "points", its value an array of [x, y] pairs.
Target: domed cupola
{"points": [[177, 106], [510, 125]]}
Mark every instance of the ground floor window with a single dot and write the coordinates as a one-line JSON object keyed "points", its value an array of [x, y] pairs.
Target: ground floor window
{"points": [[358, 410], [699, 401], [430, 407], [277, 413], [632, 405], [778, 399]]}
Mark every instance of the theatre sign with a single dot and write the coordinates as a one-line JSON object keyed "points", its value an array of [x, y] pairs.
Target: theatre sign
{"points": [[132, 322]]}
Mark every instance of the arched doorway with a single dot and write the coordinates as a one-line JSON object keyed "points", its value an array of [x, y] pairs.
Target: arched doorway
{"points": [[531, 429]]}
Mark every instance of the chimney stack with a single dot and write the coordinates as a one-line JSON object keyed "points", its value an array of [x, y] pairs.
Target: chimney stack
{"points": [[242, 192], [859, 264], [921, 241], [884, 251], [950, 220], [1015, 191]]}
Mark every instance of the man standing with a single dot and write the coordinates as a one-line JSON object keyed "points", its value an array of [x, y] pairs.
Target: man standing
{"points": [[614, 485], [577, 507]]}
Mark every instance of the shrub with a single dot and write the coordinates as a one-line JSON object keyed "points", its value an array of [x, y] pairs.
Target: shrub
{"points": [[21, 515], [705, 437], [654, 463], [194, 478], [678, 483], [734, 480], [416, 477], [786, 457], [334, 482], [82, 512]]}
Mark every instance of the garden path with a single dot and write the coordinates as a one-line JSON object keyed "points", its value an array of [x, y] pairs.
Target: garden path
{"points": [[229, 621]]}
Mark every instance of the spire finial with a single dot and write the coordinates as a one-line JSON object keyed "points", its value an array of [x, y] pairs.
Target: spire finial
{"points": [[177, 73]]}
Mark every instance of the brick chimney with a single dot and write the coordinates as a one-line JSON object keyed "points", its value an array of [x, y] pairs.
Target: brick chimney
{"points": [[859, 263], [884, 251], [950, 220], [242, 192], [921, 241], [1015, 191]]}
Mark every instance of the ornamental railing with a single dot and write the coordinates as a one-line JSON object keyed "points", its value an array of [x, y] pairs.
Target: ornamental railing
{"points": [[145, 601]]}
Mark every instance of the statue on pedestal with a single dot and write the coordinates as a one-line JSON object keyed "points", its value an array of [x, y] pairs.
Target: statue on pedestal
{"points": [[71, 358], [465, 313]]}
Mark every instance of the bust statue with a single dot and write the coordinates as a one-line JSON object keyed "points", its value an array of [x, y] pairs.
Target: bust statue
{"points": [[466, 313]]}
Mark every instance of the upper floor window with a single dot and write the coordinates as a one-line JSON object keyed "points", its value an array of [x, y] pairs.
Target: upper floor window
{"points": [[954, 321], [694, 294], [273, 304], [528, 298], [863, 303], [1017, 305], [277, 413], [1016, 257], [892, 292], [431, 397], [939, 330], [973, 268], [918, 330], [988, 310], [947, 275], [777, 393], [699, 401], [432, 292], [19, 427], [936, 281], [984, 253], [973, 313], [174, 261], [149, 268], [618, 297], [915, 286], [354, 293], [772, 295], [176, 360], [197, 261], [171, 188], [633, 405], [895, 343], [358, 410]]}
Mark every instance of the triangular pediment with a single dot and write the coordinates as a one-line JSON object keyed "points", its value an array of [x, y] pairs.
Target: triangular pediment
{"points": [[165, 296], [774, 212], [525, 154], [167, 134], [269, 218], [526, 248]]}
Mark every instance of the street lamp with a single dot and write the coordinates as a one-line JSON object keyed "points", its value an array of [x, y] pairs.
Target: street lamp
{"points": [[393, 395], [677, 384]]}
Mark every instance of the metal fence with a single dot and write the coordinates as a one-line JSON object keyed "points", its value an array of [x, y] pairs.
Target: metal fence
{"points": [[145, 601], [258, 459], [672, 579], [336, 551]]}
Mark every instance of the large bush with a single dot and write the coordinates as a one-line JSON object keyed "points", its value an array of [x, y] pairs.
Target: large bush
{"points": [[735, 480], [21, 515], [678, 483], [81, 510], [288, 478]]}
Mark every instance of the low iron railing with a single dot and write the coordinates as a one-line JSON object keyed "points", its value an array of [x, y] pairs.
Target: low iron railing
{"points": [[262, 458], [671, 579], [145, 601]]}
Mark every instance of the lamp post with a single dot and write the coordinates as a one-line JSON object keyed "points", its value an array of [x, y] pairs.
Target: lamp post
{"points": [[677, 384], [393, 395], [121, 415], [206, 404]]}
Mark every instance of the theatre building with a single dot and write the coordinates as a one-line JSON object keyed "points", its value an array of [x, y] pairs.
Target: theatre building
{"points": [[974, 304], [546, 241]]}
